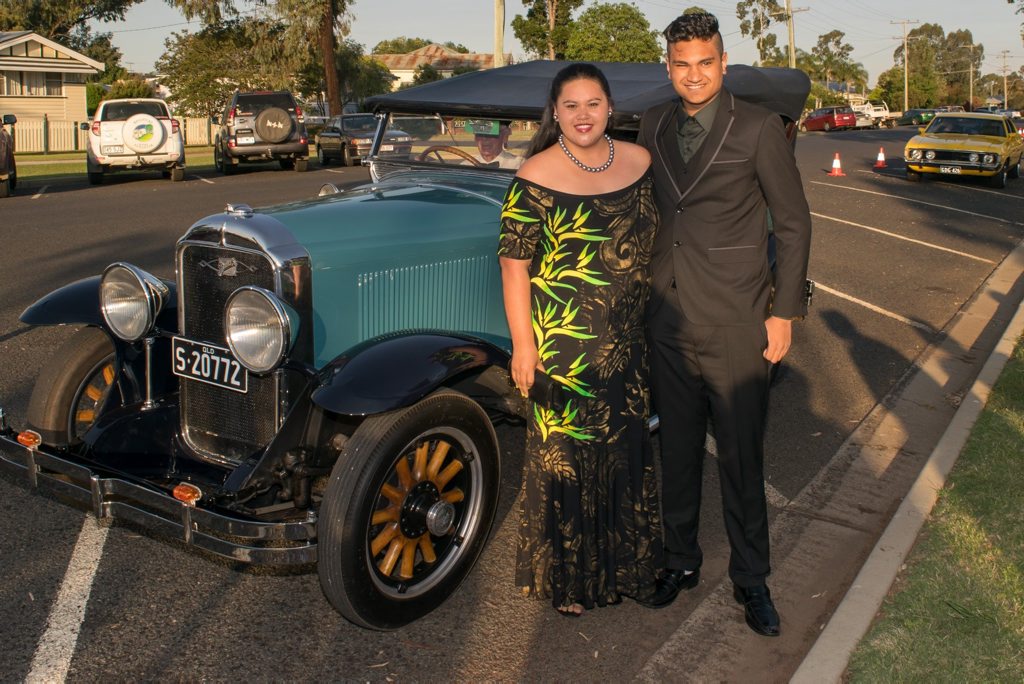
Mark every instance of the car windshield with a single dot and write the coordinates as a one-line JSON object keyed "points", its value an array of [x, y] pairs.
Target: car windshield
{"points": [[966, 126], [254, 103], [458, 141], [121, 111], [359, 123]]}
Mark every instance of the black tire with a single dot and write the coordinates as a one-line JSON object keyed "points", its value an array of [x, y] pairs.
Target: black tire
{"points": [[389, 461], [322, 157], [827, 126], [913, 176], [95, 177], [998, 180], [1014, 171], [12, 180], [75, 386], [274, 125], [287, 163], [301, 165], [177, 174], [346, 156], [221, 161], [916, 121], [6, 187]]}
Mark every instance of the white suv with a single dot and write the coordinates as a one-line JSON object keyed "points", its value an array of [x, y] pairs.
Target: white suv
{"points": [[135, 133]]}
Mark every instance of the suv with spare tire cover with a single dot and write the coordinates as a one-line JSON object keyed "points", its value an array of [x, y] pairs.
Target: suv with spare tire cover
{"points": [[133, 133], [258, 127]]}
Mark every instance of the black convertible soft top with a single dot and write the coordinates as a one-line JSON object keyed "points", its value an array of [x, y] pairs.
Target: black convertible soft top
{"points": [[519, 91]]}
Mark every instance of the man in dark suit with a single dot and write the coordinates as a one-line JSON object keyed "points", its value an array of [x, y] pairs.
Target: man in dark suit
{"points": [[718, 317]]}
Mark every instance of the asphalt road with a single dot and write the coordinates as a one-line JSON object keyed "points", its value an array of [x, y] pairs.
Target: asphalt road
{"points": [[895, 263]]}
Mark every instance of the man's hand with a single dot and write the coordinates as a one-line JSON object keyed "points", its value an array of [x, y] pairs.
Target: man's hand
{"points": [[780, 337]]}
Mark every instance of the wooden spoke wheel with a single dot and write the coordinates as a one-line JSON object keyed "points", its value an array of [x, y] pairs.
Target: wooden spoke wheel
{"points": [[407, 510], [75, 388], [436, 150]]}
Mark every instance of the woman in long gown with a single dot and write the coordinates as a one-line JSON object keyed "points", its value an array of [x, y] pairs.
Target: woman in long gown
{"points": [[577, 229]]}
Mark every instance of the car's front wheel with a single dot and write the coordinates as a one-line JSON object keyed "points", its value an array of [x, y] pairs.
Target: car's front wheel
{"points": [[346, 156], [1014, 171], [407, 510], [998, 179], [827, 126], [74, 388], [913, 176]]}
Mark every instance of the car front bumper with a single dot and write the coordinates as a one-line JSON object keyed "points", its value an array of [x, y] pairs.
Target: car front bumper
{"points": [[243, 540], [951, 168]]}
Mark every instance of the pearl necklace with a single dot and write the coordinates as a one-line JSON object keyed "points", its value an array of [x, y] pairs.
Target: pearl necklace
{"points": [[591, 169]]}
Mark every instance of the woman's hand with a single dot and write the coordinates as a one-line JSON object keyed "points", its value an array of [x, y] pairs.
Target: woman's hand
{"points": [[524, 363]]}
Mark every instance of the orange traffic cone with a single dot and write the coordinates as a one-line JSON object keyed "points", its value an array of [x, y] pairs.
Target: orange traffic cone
{"points": [[880, 162], [837, 167]]}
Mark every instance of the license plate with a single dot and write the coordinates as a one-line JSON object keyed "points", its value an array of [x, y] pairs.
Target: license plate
{"points": [[113, 149], [387, 148], [949, 169], [208, 363], [246, 140]]}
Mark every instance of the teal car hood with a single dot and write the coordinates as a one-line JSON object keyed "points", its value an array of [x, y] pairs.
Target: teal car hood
{"points": [[409, 252]]}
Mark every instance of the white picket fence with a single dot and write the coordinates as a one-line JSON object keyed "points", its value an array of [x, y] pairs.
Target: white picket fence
{"points": [[44, 135]]}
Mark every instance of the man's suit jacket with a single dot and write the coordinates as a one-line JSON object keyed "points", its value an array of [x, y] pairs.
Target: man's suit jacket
{"points": [[713, 236]]}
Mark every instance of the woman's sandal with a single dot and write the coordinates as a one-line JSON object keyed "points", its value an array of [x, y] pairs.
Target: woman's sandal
{"points": [[573, 610]]}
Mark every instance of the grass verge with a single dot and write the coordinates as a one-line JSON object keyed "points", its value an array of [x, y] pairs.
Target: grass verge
{"points": [[53, 167], [956, 611]]}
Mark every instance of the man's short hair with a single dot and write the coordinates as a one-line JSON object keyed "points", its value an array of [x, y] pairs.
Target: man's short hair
{"points": [[694, 26]]}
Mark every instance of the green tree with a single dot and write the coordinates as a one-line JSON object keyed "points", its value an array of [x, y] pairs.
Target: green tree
{"points": [[426, 73], [94, 94], [924, 44], [544, 31], [56, 19], [615, 32], [958, 60], [361, 76], [202, 69], [98, 47], [133, 86], [889, 88], [403, 45], [832, 55], [755, 17]]}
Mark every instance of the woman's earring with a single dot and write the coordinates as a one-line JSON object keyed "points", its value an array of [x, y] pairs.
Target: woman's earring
{"points": [[555, 116]]}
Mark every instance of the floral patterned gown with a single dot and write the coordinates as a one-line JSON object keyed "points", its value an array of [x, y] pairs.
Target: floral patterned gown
{"points": [[590, 531]]}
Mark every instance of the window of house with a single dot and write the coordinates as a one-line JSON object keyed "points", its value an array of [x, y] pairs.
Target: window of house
{"points": [[54, 84], [12, 83], [33, 83]]}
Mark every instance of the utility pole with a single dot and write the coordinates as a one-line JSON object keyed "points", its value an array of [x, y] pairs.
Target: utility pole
{"points": [[906, 62], [1006, 100], [970, 70], [499, 33], [788, 14]]}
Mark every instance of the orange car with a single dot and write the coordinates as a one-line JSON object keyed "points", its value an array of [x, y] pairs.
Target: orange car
{"points": [[8, 170]]}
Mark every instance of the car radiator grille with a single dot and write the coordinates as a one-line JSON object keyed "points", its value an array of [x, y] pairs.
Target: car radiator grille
{"points": [[446, 295], [951, 156], [222, 423]]}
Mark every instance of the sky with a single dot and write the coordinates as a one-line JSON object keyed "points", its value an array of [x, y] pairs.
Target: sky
{"points": [[868, 24]]}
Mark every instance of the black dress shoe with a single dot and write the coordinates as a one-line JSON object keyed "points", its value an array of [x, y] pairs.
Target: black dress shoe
{"points": [[758, 609], [670, 583]]}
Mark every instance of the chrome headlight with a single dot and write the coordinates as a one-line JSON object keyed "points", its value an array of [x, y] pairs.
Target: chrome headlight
{"points": [[130, 300], [989, 159], [929, 155], [915, 154], [259, 328], [973, 156]]}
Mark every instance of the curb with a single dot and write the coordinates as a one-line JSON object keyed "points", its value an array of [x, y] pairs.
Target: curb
{"points": [[828, 658]]}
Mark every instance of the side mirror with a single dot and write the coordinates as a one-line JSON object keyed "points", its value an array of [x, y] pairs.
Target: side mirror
{"points": [[84, 126], [920, 129], [10, 119]]}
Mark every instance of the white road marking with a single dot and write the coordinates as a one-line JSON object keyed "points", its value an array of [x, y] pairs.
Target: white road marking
{"points": [[57, 645], [872, 307], [903, 237], [774, 496], [205, 180], [40, 193], [971, 188], [334, 171], [916, 201]]}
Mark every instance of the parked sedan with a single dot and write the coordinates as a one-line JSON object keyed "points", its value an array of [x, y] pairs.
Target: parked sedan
{"points": [[829, 119], [349, 137], [8, 168], [962, 144], [915, 117]]}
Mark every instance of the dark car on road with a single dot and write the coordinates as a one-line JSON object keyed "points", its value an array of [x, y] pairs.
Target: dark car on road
{"points": [[321, 380], [261, 126], [8, 167], [349, 137], [915, 117]]}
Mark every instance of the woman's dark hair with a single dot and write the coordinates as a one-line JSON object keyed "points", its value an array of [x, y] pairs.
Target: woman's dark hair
{"points": [[547, 134]]}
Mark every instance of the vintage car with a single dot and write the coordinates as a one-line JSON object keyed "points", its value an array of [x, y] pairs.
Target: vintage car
{"points": [[8, 167], [320, 382], [966, 144]]}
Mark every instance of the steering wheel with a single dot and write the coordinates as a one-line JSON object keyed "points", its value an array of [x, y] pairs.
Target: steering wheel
{"points": [[437, 149]]}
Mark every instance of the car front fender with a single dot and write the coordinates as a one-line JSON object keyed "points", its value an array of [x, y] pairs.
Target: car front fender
{"points": [[78, 303], [399, 369]]}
